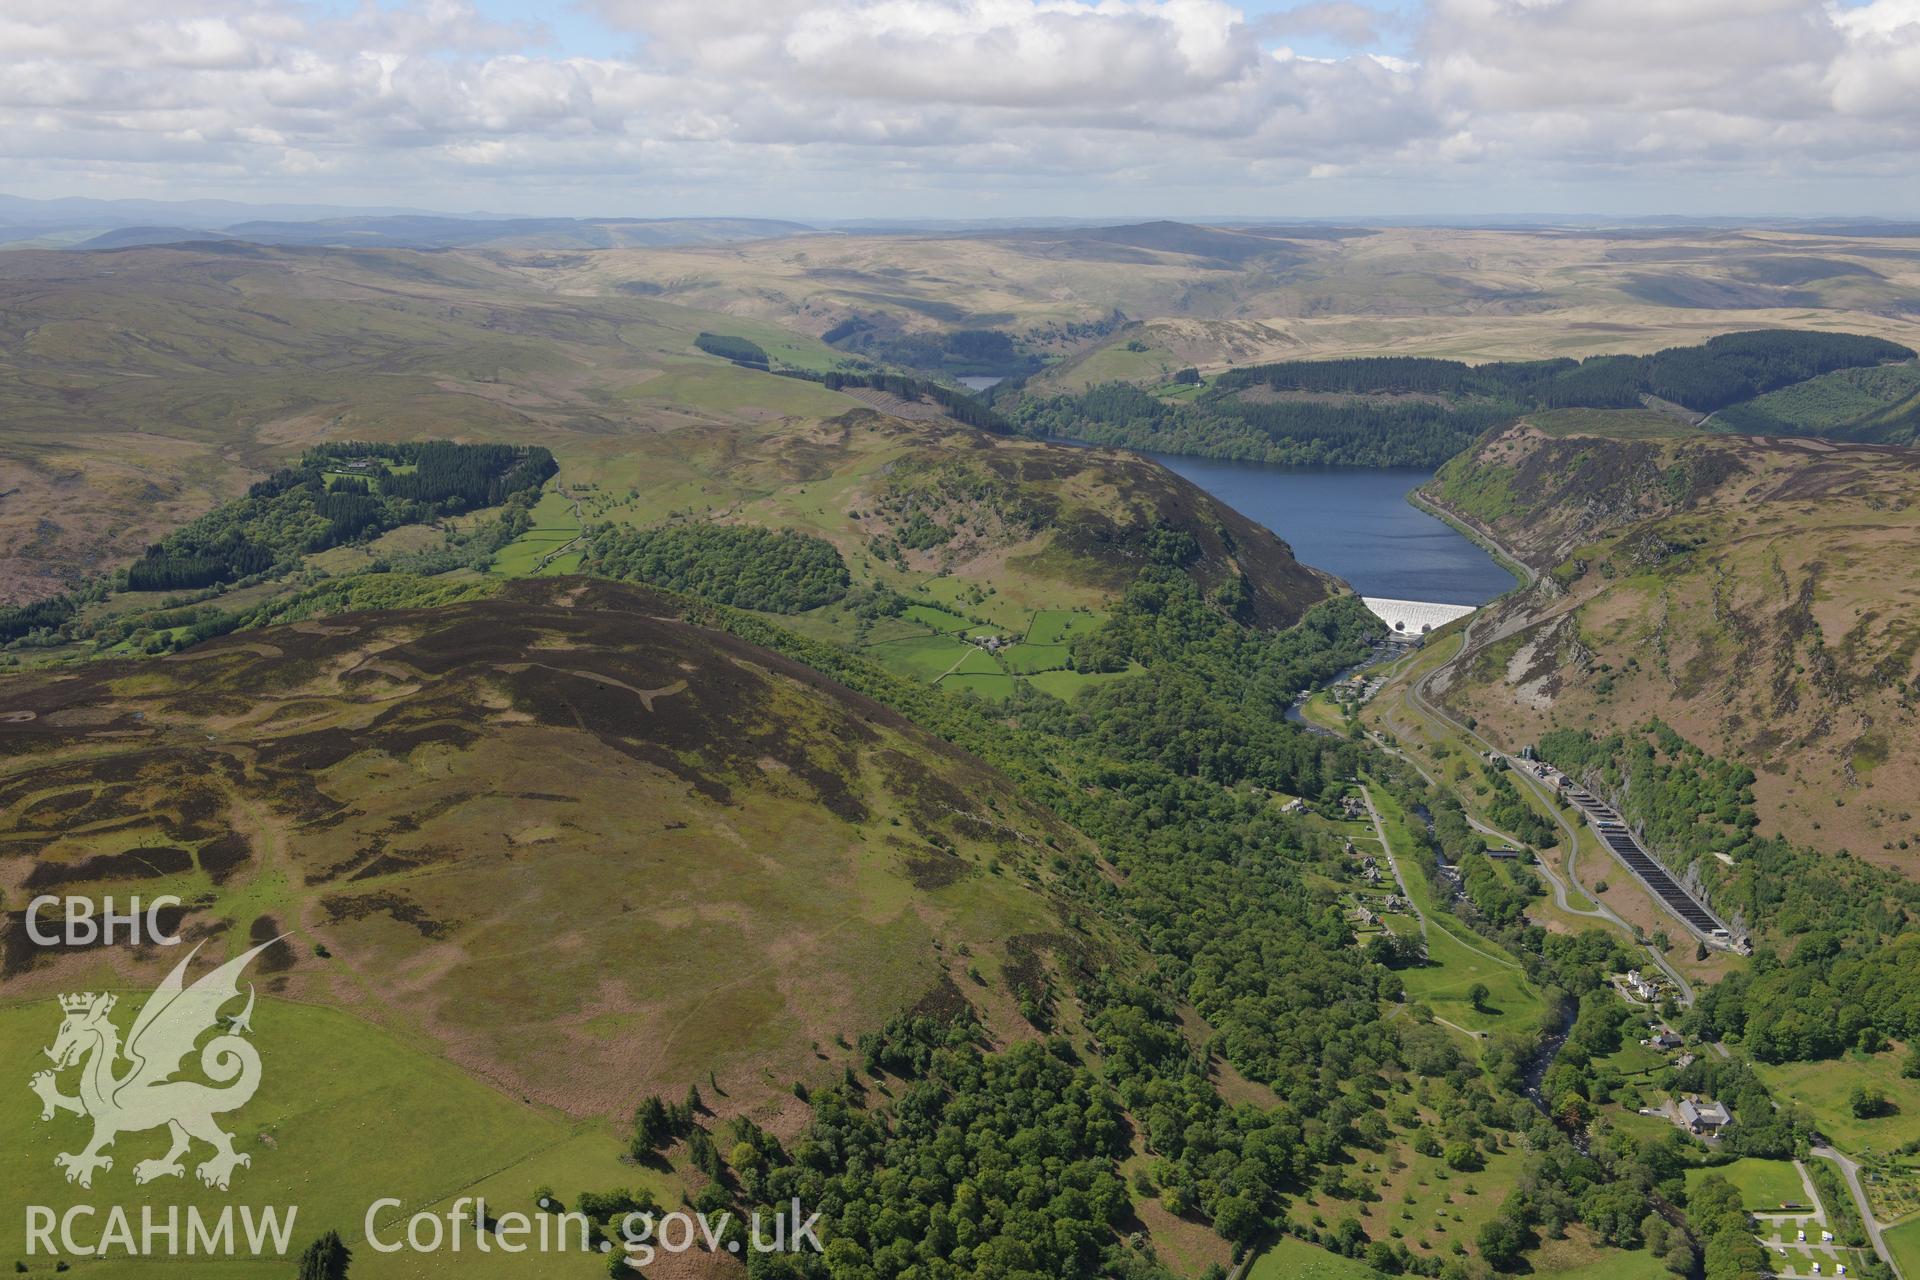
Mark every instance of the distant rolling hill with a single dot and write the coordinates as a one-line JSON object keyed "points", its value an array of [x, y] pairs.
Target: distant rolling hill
{"points": [[423, 232], [1227, 248], [1216, 296], [129, 237], [426, 232], [146, 384], [107, 224]]}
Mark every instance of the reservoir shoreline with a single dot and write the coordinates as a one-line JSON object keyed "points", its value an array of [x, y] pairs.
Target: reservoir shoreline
{"points": [[1366, 525]]}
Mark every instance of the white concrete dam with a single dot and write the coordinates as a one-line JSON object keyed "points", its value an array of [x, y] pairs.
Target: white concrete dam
{"points": [[1415, 617]]}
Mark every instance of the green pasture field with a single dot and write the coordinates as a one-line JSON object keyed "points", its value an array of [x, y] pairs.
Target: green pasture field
{"points": [[1456, 956], [1903, 1242], [1453, 966], [1291, 1258], [1645, 1128], [1320, 709], [1430, 1205], [1067, 685], [1115, 363], [994, 687], [1057, 626], [1764, 1185], [1823, 1089], [553, 527], [1025, 659], [719, 388], [939, 620], [921, 657], [346, 1113], [977, 662], [947, 590]]}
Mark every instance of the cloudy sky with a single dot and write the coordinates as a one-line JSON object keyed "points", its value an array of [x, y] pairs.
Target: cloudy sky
{"points": [[972, 108]]}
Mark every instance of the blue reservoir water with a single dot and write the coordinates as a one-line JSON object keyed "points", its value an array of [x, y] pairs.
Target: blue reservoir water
{"points": [[1355, 522]]}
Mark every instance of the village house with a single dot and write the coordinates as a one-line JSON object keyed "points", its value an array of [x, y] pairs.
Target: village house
{"points": [[1704, 1117], [1640, 987]]}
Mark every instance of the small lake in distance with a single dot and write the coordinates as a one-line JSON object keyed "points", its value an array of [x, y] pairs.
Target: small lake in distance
{"points": [[1355, 522]]}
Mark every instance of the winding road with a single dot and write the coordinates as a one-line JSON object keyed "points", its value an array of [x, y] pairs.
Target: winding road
{"points": [[1851, 1172], [1413, 905], [1418, 690], [1393, 863]]}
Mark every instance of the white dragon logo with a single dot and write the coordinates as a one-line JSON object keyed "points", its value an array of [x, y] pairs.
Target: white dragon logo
{"points": [[145, 1095]]}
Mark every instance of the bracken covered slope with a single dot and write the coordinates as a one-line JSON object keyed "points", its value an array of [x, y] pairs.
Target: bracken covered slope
{"points": [[581, 849], [1761, 595]]}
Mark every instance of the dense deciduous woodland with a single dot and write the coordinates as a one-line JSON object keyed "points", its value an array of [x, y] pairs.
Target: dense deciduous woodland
{"points": [[745, 566], [1845, 926]]}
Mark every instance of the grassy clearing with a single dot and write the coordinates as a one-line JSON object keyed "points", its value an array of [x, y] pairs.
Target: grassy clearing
{"points": [[991, 686], [1457, 958], [1422, 1203], [1903, 1242], [525, 554], [1070, 684], [940, 620], [554, 526], [1026, 659], [1610, 1264], [716, 388], [333, 1091], [1290, 1258], [1764, 1185], [1057, 626], [1823, 1089], [1322, 710], [921, 657], [1132, 357], [1635, 1059], [976, 661], [1644, 1128], [1453, 967]]}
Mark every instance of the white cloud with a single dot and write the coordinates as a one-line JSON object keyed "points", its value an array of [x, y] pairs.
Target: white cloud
{"points": [[726, 97]]}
